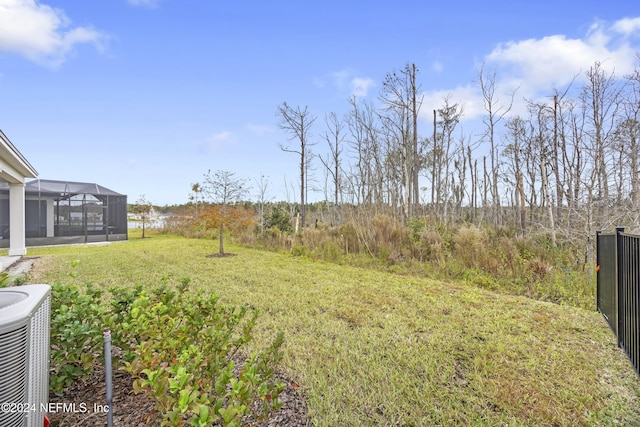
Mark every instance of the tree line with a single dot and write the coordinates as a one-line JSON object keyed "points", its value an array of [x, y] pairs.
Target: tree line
{"points": [[567, 166]]}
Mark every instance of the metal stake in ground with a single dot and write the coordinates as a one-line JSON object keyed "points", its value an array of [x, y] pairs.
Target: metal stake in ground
{"points": [[107, 366]]}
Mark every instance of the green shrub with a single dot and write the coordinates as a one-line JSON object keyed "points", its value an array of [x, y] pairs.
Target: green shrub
{"points": [[76, 333], [278, 218], [5, 280], [481, 279], [185, 350], [416, 225]]}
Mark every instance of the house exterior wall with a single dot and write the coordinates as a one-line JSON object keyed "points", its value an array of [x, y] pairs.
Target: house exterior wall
{"points": [[55, 214], [17, 244], [14, 169]]}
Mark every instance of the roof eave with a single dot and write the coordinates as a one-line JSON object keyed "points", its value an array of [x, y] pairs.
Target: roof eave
{"points": [[22, 166]]}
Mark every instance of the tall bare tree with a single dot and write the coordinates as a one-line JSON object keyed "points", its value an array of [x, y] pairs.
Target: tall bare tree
{"points": [[297, 123], [334, 135], [450, 115], [515, 137], [495, 113], [541, 118], [364, 141], [402, 105], [565, 161], [600, 98], [263, 188], [628, 136]]}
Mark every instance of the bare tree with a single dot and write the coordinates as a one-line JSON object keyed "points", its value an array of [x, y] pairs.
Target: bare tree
{"points": [[459, 188], [561, 169], [334, 136], [565, 156], [297, 123], [628, 139], [473, 172], [515, 137], [365, 143], [543, 140], [600, 98], [495, 113], [573, 154], [263, 188], [450, 115], [402, 105]]}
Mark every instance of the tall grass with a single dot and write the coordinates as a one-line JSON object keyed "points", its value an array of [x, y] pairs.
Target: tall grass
{"points": [[492, 258]]}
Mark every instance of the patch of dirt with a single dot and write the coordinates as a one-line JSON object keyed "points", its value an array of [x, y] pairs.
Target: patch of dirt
{"points": [[86, 399], [22, 267]]}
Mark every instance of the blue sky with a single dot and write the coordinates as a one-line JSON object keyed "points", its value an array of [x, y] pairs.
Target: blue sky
{"points": [[145, 96]]}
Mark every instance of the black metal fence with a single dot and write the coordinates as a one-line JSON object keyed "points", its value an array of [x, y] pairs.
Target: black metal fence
{"points": [[618, 288]]}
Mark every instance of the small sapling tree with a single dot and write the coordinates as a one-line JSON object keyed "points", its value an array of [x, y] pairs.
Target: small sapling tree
{"points": [[224, 189], [142, 208]]}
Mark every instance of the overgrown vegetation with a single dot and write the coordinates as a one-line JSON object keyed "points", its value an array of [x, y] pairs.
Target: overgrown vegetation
{"points": [[488, 257], [377, 348]]}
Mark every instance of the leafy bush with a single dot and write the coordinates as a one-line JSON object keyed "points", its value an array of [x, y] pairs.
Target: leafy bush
{"points": [[5, 280], [278, 218], [76, 333], [185, 350]]}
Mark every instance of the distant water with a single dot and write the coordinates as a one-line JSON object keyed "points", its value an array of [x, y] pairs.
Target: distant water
{"points": [[154, 223]]}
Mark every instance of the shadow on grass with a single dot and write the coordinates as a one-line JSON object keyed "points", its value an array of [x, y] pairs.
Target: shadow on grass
{"points": [[219, 255]]}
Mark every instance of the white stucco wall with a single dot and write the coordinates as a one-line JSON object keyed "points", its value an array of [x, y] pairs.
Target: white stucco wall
{"points": [[14, 169]]}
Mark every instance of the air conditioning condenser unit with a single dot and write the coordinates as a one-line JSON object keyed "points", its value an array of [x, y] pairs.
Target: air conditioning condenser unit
{"points": [[25, 313]]}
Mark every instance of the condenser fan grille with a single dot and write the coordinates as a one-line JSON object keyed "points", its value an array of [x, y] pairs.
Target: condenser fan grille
{"points": [[39, 359], [13, 374]]}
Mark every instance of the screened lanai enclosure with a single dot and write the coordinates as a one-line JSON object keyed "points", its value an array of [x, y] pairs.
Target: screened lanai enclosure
{"points": [[61, 212]]}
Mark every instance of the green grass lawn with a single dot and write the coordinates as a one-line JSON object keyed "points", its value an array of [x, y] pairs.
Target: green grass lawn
{"points": [[373, 348]]}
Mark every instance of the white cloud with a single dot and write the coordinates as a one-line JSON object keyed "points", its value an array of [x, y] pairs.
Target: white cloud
{"points": [[627, 26], [549, 61], [340, 78], [553, 61], [151, 4], [437, 67], [41, 33], [347, 81], [259, 130], [467, 96], [535, 67], [218, 140], [360, 86]]}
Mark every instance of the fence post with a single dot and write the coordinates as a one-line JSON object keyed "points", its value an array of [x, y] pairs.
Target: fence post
{"points": [[619, 279]]}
